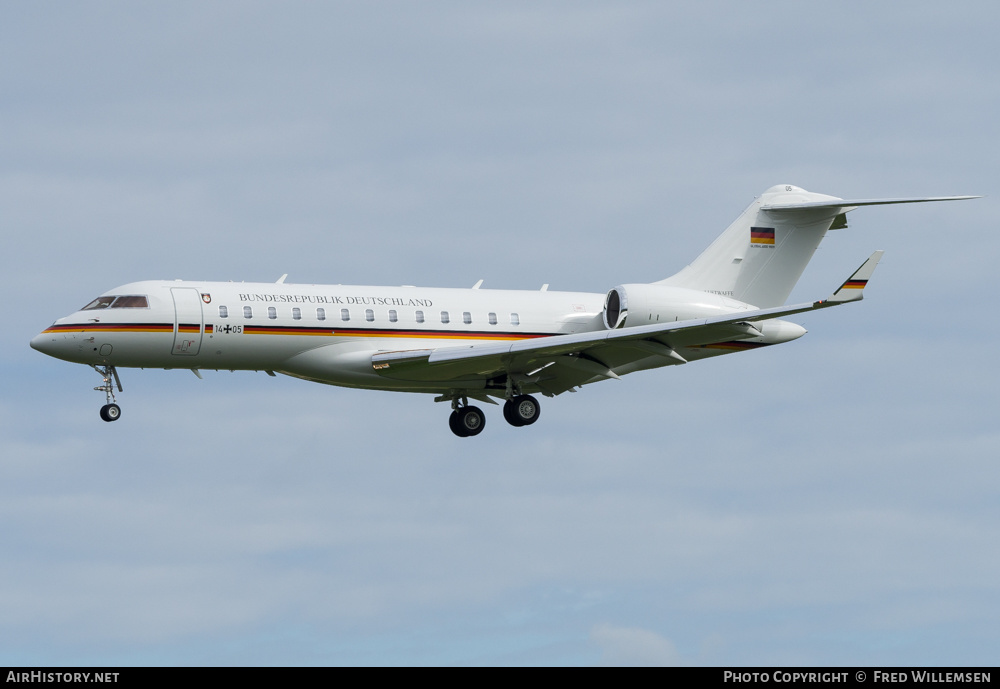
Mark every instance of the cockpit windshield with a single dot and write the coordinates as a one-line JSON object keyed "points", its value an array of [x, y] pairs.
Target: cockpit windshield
{"points": [[131, 303], [116, 302]]}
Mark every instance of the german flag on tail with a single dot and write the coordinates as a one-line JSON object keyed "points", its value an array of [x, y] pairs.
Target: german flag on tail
{"points": [[762, 236]]}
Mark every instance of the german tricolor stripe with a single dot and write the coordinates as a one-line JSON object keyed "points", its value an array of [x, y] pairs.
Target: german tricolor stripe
{"points": [[762, 235], [113, 328], [854, 284], [194, 329]]}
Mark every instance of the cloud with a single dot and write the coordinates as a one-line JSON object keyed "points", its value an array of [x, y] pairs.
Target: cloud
{"points": [[634, 646]]}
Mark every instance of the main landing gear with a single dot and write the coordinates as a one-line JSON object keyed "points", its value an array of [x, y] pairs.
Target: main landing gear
{"points": [[522, 410], [110, 411], [466, 421]]}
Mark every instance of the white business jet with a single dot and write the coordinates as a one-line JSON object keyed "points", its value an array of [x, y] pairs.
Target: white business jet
{"points": [[479, 344]]}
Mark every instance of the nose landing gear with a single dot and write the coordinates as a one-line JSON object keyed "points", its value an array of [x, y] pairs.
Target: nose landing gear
{"points": [[110, 411]]}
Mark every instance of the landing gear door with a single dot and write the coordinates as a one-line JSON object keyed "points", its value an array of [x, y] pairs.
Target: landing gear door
{"points": [[189, 321]]}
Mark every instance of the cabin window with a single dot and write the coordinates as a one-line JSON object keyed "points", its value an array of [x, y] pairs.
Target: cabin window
{"points": [[99, 303], [445, 318], [369, 315], [392, 316], [321, 314], [420, 316], [296, 313], [223, 312], [272, 312], [514, 319], [493, 318], [345, 314], [466, 317], [130, 303], [247, 312]]}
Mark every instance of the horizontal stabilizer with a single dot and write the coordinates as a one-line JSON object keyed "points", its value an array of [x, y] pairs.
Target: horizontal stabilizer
{"points": [[856, 203]]}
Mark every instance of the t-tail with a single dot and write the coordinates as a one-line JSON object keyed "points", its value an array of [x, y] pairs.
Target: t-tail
{"points": [[761, 256]]}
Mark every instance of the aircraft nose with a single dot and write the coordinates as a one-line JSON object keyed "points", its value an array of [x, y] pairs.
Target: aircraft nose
{"points": [[61, 345], [44, 343]]}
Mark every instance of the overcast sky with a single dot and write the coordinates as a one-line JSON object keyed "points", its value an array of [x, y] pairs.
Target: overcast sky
{"points": [[829, 501]]}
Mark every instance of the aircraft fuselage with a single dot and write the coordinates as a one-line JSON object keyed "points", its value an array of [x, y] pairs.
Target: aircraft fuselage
{"points": [[325, 333]]}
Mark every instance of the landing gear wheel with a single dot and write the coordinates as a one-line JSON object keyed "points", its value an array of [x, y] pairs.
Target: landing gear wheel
{"points": [[111, 412], [509, 414], [522, 410], [467, 421], [453, 424]]}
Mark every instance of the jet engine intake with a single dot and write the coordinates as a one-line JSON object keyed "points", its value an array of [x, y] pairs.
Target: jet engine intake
{"points": [[627, 306]]}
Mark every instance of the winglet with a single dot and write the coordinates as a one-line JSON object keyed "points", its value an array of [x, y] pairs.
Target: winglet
{"points": [[853, 288]]}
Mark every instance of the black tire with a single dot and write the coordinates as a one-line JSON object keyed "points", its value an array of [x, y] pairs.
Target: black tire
{"points": [[455, 425], [471, 421], [510, 415], [111, 412], [525, 409]]}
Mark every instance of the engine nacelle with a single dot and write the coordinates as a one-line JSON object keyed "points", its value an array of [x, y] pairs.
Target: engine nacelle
{"points": [[627, 306]]}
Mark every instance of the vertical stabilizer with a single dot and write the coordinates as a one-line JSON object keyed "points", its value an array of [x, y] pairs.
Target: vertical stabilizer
{"points": [[761, 256]]}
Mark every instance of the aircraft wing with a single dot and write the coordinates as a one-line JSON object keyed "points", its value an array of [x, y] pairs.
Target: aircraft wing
{"points": [[561, 362]]}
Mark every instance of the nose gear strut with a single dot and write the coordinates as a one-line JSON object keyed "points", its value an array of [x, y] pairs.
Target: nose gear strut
{"points": [[110, 411]]}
